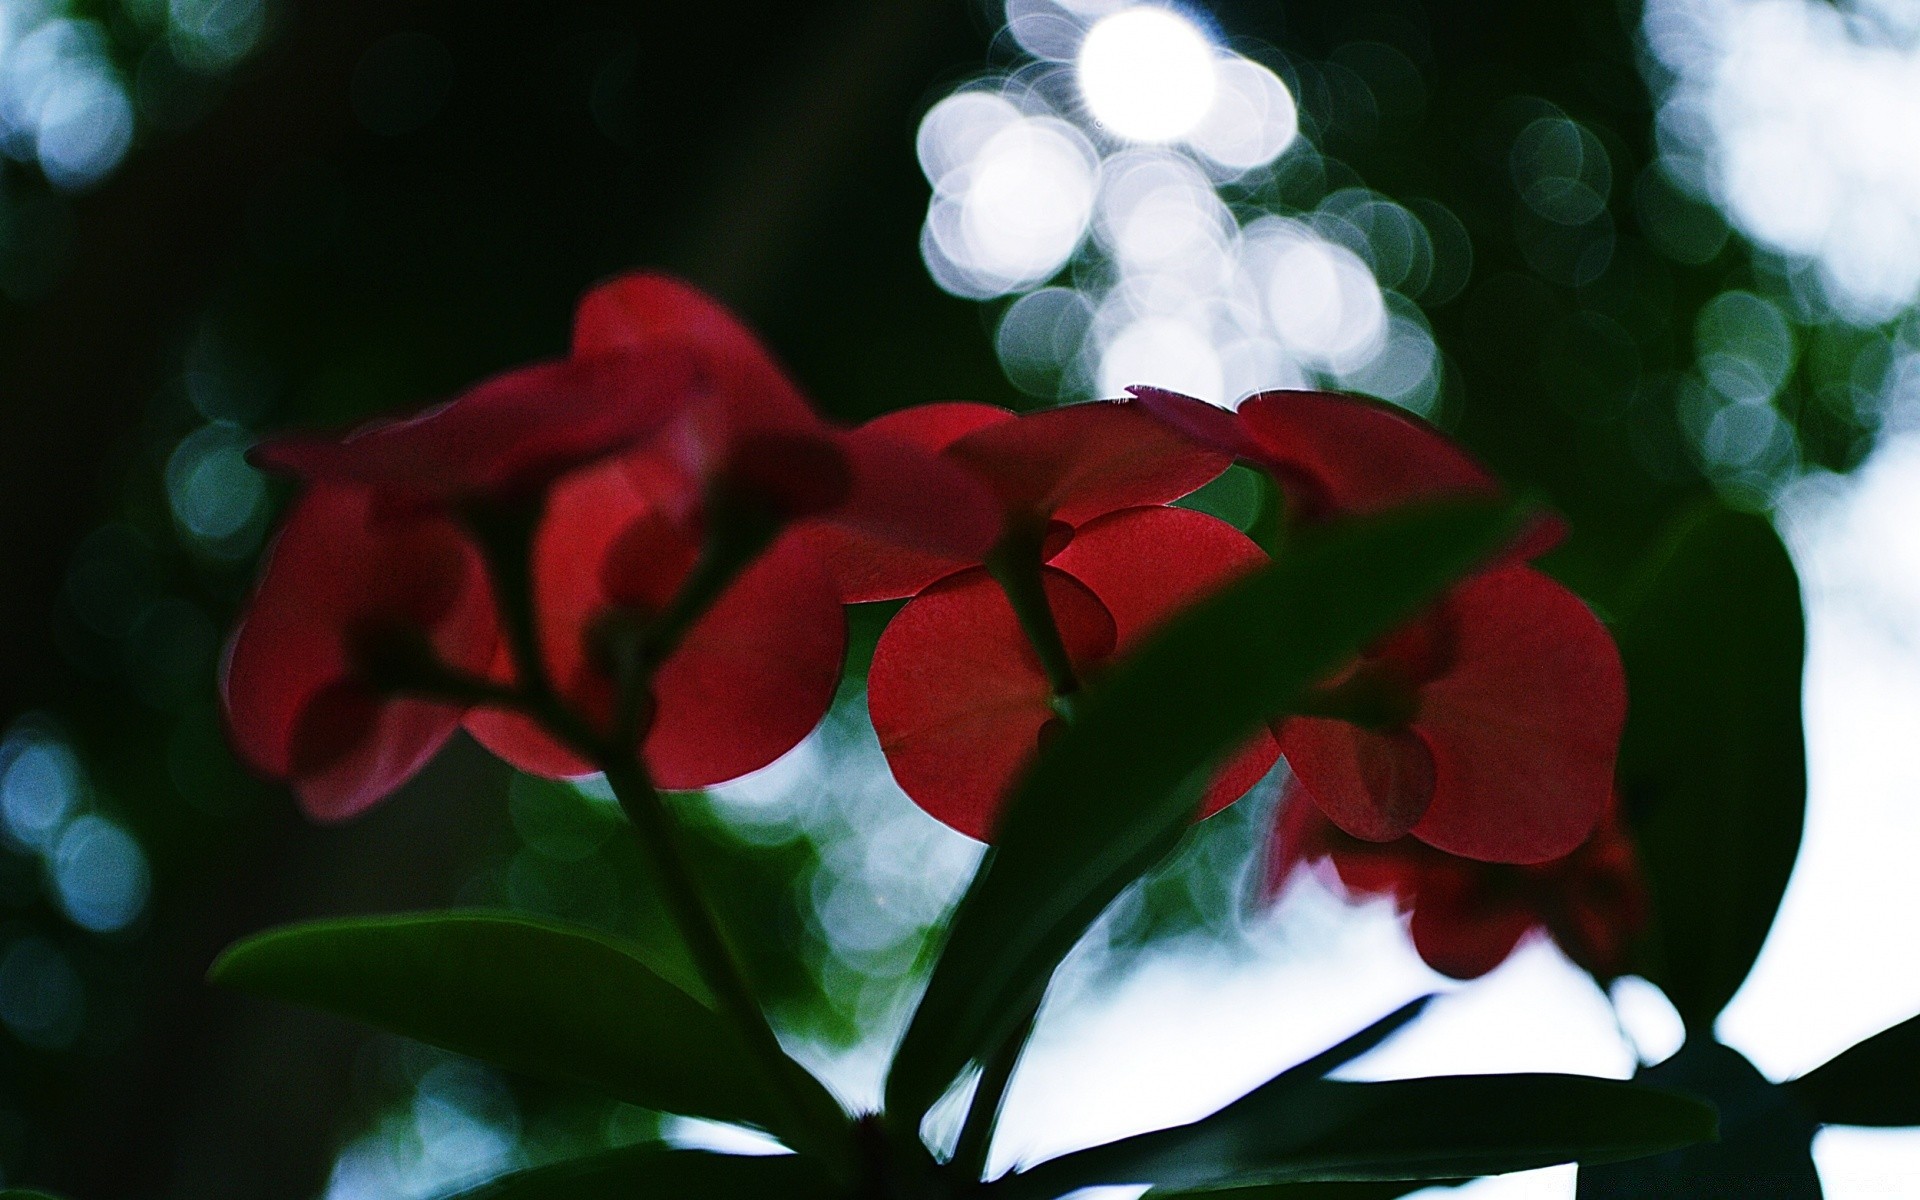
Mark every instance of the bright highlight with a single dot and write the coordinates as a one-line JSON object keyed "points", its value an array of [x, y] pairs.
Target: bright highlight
{"points": [[1148, 74]]}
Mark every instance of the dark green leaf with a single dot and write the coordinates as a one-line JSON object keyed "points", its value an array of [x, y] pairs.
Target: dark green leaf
{"points": [[1713, 765], [655, 1173], [1875, 1083], [26, 1194], [1444, 1128], [1116, 788], [1383, 1189], [1765, 1149], [1349, 1048], [552, 1000], [1314, 1068]]}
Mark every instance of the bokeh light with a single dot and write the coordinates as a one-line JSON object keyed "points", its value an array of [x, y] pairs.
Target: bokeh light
{"points": [[62, 104], [100, 873], [40, 787], [1147, 73], [1186, 281], [1796, 118]]}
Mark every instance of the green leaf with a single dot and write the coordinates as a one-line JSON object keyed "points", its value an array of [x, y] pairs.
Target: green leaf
{"points": [[1115, 790], [1385, 1189], [1875, 1083], [535, 996], [1314, 1068], [1442, 1128], [26, 1194], [1713, 764], [655, 1173], [1765, 1148]]}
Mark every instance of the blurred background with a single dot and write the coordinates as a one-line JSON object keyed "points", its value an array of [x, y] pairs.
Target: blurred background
{"points": [[1633, 254]]}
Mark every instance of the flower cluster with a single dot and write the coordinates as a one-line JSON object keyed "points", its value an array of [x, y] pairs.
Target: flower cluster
{"points": [[645, 549], [1486, 728], [1466, 917], [573, 559]]}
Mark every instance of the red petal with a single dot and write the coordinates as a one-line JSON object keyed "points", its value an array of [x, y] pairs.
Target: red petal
{"points": [[913, 517], [1525, 726], [642, 311], [958, 698], [524, 743], [1201, 423], [516, 432], [1245, 767], [890, 452], [1374, 785], [751, 678], [906, 496], [1339, 454], [338, 571], [1597, 900], [1077, 462], [605, 543], [1464, 928], [754, 675], [934, 427], [1145, 565], [1355, 455]]}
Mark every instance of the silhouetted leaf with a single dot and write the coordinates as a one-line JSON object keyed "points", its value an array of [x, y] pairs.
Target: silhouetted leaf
{"points": [[1445, 1128], [1114, 791], [1875, 1083], [1384, 1189], [556, 1001], [1713, 764], [1765, 1149], [656, 1173]]}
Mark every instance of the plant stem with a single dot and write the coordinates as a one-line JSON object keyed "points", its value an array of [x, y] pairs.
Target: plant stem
{"points": [[803, 1101], [989, 1096], [1017, 568], [1016, 565]]}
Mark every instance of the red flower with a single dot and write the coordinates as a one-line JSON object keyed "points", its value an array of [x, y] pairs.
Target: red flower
{"points": [[1488, 728], [351, 592], [1050, 470], [667, 404], [1468, 916], [958, 696], [1500, 716], [751, 677]]}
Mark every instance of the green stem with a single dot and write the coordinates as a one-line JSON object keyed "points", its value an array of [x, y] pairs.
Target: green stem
{"points": [[505, 534], [1269, 527], [812, 1120], [1017, 568], [989, 1096]]}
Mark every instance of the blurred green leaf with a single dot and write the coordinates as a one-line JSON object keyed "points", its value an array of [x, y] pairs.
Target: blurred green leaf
{"points": [[1875, 1083], [1446, 1127], [1713, 764], [656, 1173], [1764, 1151], [1114, 791], [26, 1194], [535, 996]]}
